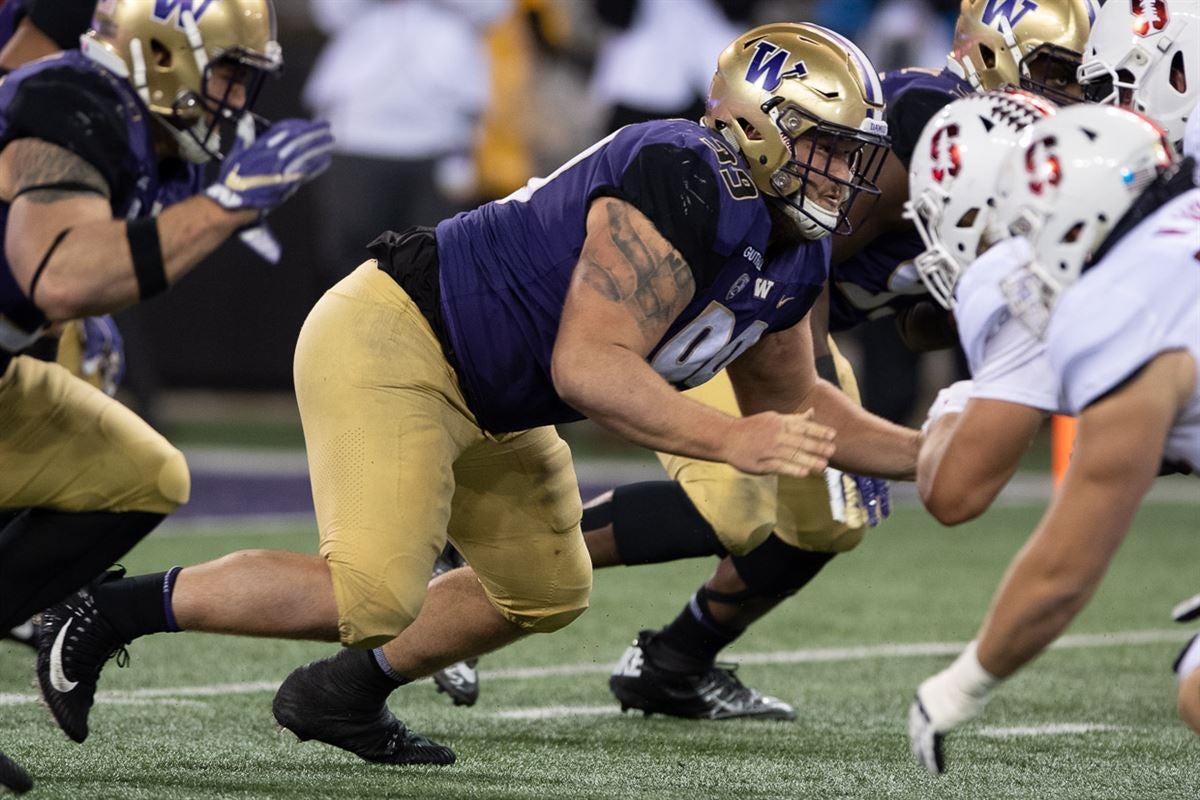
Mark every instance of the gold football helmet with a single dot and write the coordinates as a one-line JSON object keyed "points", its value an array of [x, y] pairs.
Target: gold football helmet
{"points": [[170, 49], [1034, 44], [805, 107]]}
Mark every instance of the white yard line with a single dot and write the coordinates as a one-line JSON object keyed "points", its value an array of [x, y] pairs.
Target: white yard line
{"points": [[1049, 729], [556, 712], [812, 656]]}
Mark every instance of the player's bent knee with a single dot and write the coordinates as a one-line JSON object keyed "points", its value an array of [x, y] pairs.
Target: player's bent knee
{"points": [[371, 609], [174, 480], [164, 482]]}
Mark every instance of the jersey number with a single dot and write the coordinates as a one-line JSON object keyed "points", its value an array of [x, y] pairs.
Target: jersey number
{"points": [[705, 347], [737, 180]]}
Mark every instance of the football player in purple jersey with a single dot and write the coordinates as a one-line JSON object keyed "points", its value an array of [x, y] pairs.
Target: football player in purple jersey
{"points": [[430, 380], [794, 530], [93, 145]]}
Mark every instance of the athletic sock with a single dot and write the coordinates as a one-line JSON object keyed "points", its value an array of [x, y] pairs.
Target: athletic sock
{"points": [[140, 605], [385, 668], [691, 642]]}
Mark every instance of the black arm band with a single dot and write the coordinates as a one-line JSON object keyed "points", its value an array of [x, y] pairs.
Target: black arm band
{"points": [[41, 267], [62, 186], [146, 250], [827, 369]]}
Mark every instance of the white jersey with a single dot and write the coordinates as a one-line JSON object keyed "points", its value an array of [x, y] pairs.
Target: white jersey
{"points": [[1141, 300], [1007, 362], [1191, 139]]}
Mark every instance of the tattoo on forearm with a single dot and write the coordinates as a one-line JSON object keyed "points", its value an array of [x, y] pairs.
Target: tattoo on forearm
{"points": [[650, 282], [39, 162]]}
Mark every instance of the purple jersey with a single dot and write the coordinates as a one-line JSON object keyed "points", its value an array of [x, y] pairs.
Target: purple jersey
{"points": [[880, 279], [505, 267], [71, 101]]}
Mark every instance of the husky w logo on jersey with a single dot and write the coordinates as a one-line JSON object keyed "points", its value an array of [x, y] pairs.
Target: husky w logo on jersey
{"points": [[165, 9], [1149, 16], [766, 66], [1009, 10]]}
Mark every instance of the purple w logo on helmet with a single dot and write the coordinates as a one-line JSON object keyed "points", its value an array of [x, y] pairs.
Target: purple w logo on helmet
{"points": [[165, 9], [1007, 9], [766, 65]]}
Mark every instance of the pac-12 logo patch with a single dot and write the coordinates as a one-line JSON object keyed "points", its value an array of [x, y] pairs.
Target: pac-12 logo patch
{"points": [[1010, 10], [165, 9], [943, 149], [1149, 16], [766, 66]]}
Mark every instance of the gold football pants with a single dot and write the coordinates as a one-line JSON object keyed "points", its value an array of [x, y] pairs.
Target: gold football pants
{"points": [[67, 446], [745, 509], [398, 462]]}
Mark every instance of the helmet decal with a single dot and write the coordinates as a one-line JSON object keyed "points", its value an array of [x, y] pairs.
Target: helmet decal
{"points": [[1007, 10], [1042, 164], [165, 9], [766, 66], [943, 148], [1149, 16]]}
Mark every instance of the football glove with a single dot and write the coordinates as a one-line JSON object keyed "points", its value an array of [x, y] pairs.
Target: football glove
{"points": [[103, 352], [262, 173], [875, 497], [951, 400], [92, 349]]}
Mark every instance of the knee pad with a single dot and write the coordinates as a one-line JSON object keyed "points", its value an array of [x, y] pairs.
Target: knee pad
{"points": [[777, 570]]}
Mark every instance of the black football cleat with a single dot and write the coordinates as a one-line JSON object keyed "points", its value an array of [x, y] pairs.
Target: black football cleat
{"points": [[74, 642], [13, 777], [460, 681], [26, 633], [313, 704], [714, 694]]}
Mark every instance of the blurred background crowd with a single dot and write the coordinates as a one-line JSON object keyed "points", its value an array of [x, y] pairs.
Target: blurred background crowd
{"points": [[439, 105]]}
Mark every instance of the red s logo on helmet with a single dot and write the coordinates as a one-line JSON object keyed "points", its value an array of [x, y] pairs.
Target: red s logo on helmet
{"points": [[1149, 16], [943, 148], [1042, 164]]}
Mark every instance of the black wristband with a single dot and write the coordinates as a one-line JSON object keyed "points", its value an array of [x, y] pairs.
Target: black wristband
{"points": [[146, 250]]}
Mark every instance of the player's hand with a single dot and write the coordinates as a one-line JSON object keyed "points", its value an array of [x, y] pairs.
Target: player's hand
{"points": [[779, 444], [875, 497], [941, 705], [264, 172], [951, 400]]}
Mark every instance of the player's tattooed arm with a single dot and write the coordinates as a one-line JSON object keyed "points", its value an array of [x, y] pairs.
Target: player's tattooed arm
{"points": [[46, 173], [66, 236], [627, 261]]}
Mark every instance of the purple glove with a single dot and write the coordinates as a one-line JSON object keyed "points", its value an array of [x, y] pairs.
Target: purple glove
{"points": [[103, 352], [264, 172], [876, 500]]}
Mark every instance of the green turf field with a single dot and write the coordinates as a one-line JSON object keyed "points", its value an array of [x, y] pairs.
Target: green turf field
{"points": [[1095, 720]]}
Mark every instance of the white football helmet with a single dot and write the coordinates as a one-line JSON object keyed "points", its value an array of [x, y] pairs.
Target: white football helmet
{"points": [[1068, 182], [1145, 55], [952, 180]]}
